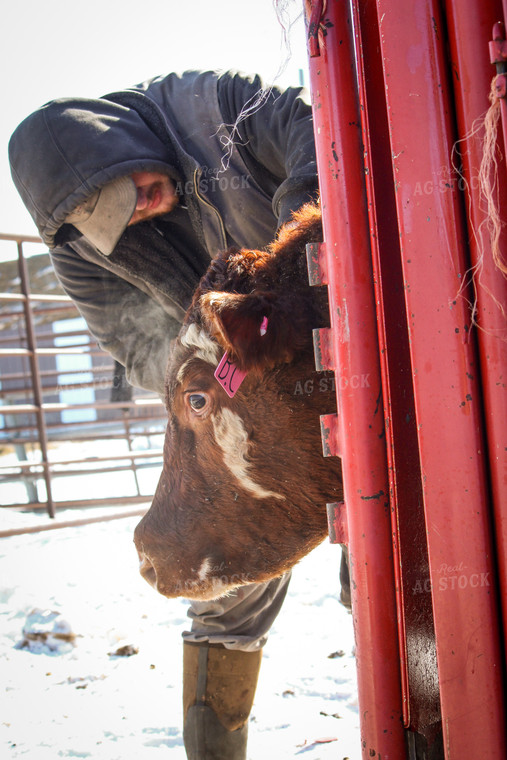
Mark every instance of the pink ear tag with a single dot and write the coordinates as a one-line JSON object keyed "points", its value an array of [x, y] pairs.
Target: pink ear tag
{"points": [[229, 375]]}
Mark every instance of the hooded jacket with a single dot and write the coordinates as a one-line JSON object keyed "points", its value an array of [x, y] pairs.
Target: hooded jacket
{"points": [[240, 165]]}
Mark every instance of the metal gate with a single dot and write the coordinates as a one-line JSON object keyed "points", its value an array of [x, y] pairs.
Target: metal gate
{"points": [[59, 391]]}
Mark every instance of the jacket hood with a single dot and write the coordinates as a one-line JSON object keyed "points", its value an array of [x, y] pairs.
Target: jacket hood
{"points": [[69, 148]]}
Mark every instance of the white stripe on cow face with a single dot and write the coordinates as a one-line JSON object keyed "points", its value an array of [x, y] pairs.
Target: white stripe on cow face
{"points": [[195, 337], [207, 350], [231, 436], [203, 571]]}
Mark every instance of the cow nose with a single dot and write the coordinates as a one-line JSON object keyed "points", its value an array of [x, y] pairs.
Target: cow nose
{"points": [[147, 569], [146, 566]]}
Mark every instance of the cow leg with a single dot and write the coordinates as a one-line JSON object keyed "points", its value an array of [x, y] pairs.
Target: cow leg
{"points": [[218, 692]]}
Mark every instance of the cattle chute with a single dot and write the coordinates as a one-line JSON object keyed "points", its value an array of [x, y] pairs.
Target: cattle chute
{"points": [[418, 342]]}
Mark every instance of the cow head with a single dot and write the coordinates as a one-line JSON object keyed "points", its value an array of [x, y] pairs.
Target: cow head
{"points": [[244, 484]]}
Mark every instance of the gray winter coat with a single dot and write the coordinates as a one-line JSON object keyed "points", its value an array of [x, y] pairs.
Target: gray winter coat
{"points": [[231, 194]]}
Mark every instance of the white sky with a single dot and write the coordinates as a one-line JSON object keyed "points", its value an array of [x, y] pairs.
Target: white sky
{"points": [[60, 48]]}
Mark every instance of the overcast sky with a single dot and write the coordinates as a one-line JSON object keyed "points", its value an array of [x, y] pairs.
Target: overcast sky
{"points": [[60, 48]]}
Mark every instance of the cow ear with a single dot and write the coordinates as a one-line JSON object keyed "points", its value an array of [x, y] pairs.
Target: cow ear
{"points": [[249, 326]]}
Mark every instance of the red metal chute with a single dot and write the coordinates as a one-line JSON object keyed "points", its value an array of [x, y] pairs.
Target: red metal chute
{"points": [[397, 89]]}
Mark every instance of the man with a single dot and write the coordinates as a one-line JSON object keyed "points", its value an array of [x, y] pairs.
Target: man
{"points": [[134, 193]]}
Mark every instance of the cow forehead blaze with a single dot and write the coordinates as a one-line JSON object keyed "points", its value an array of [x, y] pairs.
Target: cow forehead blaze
{"points": [[202, 346], [196, 337]]}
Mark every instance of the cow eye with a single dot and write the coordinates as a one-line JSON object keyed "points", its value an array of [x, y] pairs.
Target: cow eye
{"points": [[198, 402]]}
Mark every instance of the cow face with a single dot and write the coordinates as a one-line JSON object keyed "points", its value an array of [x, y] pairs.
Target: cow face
{"points": [[244, 484]]}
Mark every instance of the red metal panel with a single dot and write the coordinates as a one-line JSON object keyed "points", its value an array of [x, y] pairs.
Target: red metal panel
{"points": [[421, 699], [470, 29], [355, 353], [445, 378]]}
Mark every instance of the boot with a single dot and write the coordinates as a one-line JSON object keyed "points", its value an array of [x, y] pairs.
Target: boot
{"points": [[218, 692]]}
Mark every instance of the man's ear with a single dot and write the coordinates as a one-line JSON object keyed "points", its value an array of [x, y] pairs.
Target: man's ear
{"points": [[251, 327]]}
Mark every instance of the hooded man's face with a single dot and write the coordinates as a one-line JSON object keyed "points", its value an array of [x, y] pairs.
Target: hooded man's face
{"points": [[156, 195]]}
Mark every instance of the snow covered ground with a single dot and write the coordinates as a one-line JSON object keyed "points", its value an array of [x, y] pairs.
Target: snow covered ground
{"points": [[80, 701]]}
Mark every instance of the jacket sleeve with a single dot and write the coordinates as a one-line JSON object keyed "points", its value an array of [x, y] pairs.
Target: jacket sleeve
{"points": [[275, 138], [126, 322]]}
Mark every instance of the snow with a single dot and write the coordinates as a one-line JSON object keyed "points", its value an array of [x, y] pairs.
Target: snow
{"points": [[78, 699]]}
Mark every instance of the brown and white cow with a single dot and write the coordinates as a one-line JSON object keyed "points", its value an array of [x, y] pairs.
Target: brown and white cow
{"points": [[244, 484]]}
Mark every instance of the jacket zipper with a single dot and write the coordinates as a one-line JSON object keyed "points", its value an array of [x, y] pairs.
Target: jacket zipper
{"points": [[197, 176]]}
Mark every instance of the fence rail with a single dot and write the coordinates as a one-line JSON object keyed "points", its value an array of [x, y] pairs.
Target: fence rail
{"points": [[69, 421]]}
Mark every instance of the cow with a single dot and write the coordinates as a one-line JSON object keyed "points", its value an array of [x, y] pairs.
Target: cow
{"points": [[242, 494]]}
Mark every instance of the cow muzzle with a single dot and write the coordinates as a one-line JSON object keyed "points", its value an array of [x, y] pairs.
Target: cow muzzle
{"points": [[201, 584], [163, 579]]}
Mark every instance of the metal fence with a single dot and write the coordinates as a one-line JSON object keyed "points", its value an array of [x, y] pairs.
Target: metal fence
{"points": [[73, 432]]}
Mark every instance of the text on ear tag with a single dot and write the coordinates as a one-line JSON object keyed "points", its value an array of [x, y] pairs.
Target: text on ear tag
{"points": [[229, 375]]}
